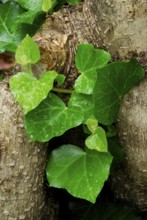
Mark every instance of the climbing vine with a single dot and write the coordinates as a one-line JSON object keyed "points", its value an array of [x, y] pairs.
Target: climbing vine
{"points": [[94, 103]]}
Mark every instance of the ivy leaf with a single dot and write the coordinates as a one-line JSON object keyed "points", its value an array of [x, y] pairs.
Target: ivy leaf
{"points": [[97, 141], [92, 124], [88, 60], [51, 118], [9, 39], [84, 102], [85, 82], [27, 52], [103, 210], [81, 173], [113, 82], [48, 5], [29, 91], [60, 79], [31, 5], [73, 2]]}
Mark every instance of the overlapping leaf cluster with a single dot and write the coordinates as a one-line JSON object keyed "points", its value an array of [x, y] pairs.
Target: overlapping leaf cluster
{"points": [[19, 17], [94, 102]]}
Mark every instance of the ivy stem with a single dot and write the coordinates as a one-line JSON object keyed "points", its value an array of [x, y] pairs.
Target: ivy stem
{"points": [[60, 90], [27, 68]]}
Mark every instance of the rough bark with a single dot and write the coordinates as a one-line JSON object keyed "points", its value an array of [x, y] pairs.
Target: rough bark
{"points": [[121, 28], [132, 128], [22, 165]]}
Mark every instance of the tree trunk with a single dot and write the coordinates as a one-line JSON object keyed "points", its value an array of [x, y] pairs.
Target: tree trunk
{"points": [[22, 165], [115, 25], [120, 27]]}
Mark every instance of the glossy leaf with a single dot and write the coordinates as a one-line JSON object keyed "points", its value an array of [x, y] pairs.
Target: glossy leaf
{"points": [[85, 82], [27, 52], [31, 5], [97, 141], [113, 82], [29, 91], [92, 124], [81, 173], [88, 60], [48, 5], [84, 102], [51, 118], [9, 39]]}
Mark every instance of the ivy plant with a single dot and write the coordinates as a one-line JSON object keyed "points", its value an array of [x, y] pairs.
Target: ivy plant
{"points": [[19, 17], [94, 103]]}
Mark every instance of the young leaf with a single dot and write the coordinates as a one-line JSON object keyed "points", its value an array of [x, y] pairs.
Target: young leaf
{"points": [[88, 60], [84, 102], [60, 79], [81, 173], [113, 82], [27, 52], [48, 5], [97, 141], [92, 124], [29, 91], [51, 118]]}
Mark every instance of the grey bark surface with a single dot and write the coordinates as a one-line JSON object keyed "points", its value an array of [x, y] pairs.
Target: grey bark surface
{"points": [[22, 167], [120, 27]]}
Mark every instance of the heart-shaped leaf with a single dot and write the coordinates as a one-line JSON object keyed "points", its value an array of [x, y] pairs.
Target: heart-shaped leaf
{"points": [[27, 52], [88, 60], [29, 91], [97, 141], [113, 82], [81, 173], [51, 118]]}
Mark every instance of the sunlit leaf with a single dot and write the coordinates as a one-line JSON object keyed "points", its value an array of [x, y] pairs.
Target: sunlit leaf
{"points": [[29, 91], [81, 173], [97, 140], [51, 118], [27, 52], [88, 60]]}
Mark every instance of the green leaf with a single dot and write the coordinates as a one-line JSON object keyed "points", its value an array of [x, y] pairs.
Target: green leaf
{"points": [[85, 82], [103, 210], [27, 52], [51, 118], [92, 124], [81, 173], [97, 141], [9, 39], [73, 2], [84, 102], [113, 82], [88, 60], [60, 79], [31, 4], [48, 5], [29, 91]]}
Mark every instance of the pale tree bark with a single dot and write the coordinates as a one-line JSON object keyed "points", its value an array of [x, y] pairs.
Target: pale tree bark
{"points": [[120, 28], [22, 167]]}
